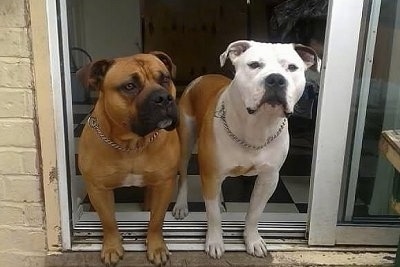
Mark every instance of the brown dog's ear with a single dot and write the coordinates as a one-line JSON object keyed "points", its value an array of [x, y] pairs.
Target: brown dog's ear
{"points": [[167, 61], [308, 55], [93, 74]]}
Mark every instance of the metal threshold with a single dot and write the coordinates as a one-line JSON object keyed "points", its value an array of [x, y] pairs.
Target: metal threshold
{"points": [[280, 230]]}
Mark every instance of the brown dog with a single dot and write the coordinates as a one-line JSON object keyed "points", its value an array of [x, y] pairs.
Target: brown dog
{"points": [[130, 140]]}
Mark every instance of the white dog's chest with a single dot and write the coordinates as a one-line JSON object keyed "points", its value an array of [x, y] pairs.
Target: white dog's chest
{"points": [[235, 160]]}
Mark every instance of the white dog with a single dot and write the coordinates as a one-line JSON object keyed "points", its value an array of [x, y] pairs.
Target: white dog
{"points": [[241, 129]]}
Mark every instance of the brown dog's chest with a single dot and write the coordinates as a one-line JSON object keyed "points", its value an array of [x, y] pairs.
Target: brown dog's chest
{"points": [[131, 172], [110, 168], [133, 180]]}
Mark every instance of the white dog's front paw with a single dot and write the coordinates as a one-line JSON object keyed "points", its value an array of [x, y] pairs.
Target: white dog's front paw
{"points": [[180, 211], [255, 245], [214, 245]]}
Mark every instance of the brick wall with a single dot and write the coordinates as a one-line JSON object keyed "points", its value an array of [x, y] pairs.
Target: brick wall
{"points": [[22, 233]]}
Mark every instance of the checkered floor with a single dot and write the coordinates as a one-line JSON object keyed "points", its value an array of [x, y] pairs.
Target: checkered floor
{"points": [[291, 195]]}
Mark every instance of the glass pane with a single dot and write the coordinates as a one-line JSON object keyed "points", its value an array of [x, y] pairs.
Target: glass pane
{"points": [[378, 183]]}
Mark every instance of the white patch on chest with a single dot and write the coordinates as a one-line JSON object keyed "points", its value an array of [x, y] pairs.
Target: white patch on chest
{"points": [[133, 180], [230, 155]]}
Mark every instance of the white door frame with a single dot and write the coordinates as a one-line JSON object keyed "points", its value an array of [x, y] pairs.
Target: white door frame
{"points": [[58, 87], [337, 78], [77, 188], [338, 71], [333, 135]]}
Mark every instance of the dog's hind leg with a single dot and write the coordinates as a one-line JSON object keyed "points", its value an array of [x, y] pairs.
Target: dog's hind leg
{"points": [[214, 245], [263, 188], [187, 136]]}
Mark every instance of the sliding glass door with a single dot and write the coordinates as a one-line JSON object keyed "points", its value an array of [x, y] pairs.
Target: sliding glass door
{"points": [[373, 183], [333, 182], [357, 201]]}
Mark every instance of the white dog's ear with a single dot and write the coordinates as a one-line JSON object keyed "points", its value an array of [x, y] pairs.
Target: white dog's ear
{"points": [[234, 50], [308, 55]]}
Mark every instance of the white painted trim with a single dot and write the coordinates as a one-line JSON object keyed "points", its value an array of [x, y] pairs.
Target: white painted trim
{"points": [[338, 70], [77, 187], [67, 83], [57, 86], [362, 108]]}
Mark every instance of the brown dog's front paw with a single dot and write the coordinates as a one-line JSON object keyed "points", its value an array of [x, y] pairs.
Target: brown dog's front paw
{"points": [[112, 252], [157, 253]]}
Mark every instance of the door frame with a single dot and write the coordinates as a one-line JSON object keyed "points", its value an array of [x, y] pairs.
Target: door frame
{"points": [[57, 104], [337, 79], [329, 198], [338, 72]]}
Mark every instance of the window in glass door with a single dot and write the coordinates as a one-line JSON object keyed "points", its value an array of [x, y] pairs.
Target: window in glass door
{"points": [[377, 192]]}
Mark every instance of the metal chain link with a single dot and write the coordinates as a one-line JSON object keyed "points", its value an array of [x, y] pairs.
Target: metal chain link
{"points": [[92, 122], [221, 114]]}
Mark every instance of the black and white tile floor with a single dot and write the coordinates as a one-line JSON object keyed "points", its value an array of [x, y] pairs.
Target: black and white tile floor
{"points": [[291, 195]]}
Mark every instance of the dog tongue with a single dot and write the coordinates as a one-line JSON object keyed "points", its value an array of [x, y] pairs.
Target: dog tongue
{"points": [[164, 123]]}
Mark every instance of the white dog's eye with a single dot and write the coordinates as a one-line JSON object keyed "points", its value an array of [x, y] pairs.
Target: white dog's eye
{"points": [[292, 67], [254, 65]]}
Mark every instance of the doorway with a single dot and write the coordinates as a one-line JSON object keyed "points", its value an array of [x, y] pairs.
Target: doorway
{"points": [[194, 36]]}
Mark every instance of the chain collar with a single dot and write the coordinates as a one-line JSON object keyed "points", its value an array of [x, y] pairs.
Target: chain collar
{"points": [[93, 123], [221, 114]]}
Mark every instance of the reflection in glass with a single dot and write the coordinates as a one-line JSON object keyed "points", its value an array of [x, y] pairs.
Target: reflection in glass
{"points": [[378, 184]]}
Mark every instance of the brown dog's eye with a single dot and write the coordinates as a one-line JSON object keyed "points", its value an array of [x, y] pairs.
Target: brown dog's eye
{"points": [[130, 88], [292, 67], [164, 82]]}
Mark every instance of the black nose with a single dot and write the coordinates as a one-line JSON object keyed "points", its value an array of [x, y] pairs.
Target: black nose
{"points": [[161, 97], [275, 81]]}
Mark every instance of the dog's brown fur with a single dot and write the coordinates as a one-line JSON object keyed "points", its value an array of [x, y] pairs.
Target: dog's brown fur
{"points": [[105, 168]]}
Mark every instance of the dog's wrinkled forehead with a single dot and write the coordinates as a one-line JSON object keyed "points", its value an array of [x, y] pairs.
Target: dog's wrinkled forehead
{"points": [[271, 54], [243, 52], [96, 74], [139, 66]]}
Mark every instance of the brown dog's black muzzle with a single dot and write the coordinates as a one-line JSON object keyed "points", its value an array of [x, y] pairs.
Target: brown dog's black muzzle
{"points": [[161, 98], [157, 111]]}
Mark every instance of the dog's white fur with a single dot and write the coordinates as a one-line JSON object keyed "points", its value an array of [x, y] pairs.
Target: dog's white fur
{"points": [[246, 91], [275, 59]]}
